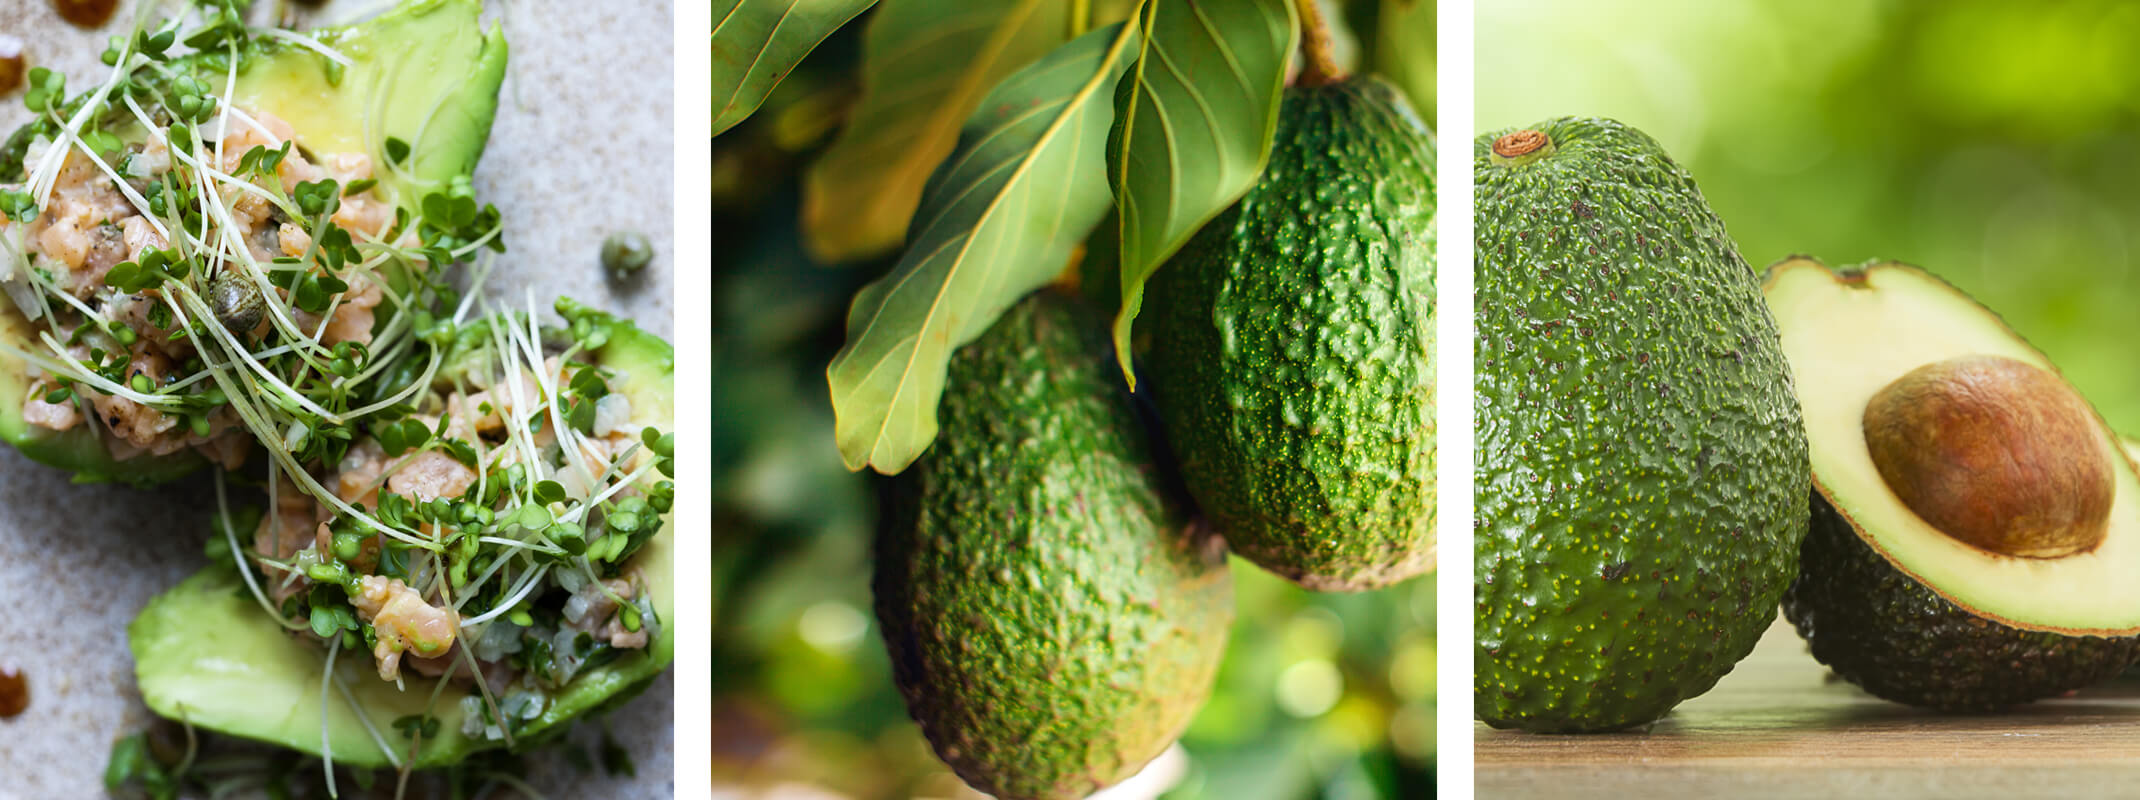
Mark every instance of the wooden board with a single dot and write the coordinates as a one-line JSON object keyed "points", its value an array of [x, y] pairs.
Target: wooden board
{"points": [[1780, 726]]}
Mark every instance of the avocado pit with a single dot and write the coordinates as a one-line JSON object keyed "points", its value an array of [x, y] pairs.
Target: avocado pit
{"points": [[1995, 453]]}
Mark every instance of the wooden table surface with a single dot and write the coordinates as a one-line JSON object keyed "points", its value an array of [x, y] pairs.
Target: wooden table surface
{"points": [[1780, 726]]}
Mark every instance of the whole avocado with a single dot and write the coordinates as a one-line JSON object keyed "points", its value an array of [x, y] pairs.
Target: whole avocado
{"points": [[1053, 618], [1292, 348], [1641, 467], [1898, 639]]}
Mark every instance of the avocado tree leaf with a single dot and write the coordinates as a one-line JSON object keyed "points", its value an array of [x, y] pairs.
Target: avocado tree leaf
{"points": [[1193, 125], [758, 42], [925, 66], [999, 219]]}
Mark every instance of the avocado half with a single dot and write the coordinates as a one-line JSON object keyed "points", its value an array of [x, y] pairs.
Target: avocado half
{"points": [[426, 73], [1883, 597], [205, 653]]}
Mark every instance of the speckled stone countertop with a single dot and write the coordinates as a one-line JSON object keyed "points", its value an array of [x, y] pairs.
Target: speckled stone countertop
{"points": [[581, 148]]}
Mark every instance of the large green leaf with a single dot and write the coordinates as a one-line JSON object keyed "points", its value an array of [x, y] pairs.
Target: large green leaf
{"points": [[998, 220], [757, 42], [925, 66], [1193, 128]]}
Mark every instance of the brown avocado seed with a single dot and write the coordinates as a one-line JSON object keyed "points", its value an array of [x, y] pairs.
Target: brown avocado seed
{"points": [[1996, 453]]}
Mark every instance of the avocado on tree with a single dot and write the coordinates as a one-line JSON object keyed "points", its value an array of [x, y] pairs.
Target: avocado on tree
{"points": [[1292, 355], [1640, 471], [1053, 615], [999, 148], [1976, 525]]}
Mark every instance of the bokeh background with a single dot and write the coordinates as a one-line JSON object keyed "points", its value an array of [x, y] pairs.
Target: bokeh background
{"points": [[1994, 143], [1320, 696]]}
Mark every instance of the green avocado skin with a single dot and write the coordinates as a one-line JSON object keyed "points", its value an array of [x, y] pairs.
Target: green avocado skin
{"points": [[1053, 618], [1641, 466], [1292, 347], [1894, 637]]}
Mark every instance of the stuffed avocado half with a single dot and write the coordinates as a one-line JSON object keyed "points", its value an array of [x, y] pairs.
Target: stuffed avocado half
{"points": [[257, 202], [534, 634]]}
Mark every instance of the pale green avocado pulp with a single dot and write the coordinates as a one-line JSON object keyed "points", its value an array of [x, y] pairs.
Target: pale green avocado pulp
{"points": [[206, 654], [425, 73], [1848, 334]]}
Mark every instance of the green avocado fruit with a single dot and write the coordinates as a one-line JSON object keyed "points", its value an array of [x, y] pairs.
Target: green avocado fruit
{"points": [[1640, 467], [1292, 347], [205, 652], [426, 73], [1887, 599], [1054, 618]]}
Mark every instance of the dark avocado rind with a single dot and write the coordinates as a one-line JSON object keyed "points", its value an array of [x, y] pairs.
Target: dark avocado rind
{"points": [[205, 652], [1899, 640], [1641, 469], [421, 57], [1292, 347], [1053, 618]]}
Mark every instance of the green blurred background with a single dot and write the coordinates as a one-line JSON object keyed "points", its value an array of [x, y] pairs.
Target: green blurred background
{"points": [[1995, 143], [1320, 696]]}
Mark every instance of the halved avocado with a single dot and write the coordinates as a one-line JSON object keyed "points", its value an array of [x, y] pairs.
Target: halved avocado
{"points": [[205, 653], [425, 73], [1898, 605]]}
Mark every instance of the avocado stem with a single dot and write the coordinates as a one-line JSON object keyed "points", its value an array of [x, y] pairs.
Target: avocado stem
{"points": [[1320, 57]]}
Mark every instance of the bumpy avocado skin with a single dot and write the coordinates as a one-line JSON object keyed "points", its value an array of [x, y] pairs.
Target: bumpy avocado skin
{"points": [[1053, 618], [1899, 640], [1641, 467], [1292, 347]]}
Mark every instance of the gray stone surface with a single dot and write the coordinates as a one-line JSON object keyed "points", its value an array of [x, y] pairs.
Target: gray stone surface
{"points": [[582, 147]]}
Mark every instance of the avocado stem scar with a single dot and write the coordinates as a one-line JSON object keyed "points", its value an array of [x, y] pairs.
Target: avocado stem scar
{"points": [[1520, 143]]}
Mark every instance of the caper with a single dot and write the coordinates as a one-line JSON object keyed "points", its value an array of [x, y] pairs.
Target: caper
{"points": [[236, 301], [626, 253]]}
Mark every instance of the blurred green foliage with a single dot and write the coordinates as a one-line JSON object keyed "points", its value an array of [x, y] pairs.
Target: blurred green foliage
{"points": [[1994, 143], [1320, 696]]}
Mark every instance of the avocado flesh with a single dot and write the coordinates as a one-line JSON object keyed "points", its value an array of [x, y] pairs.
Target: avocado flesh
{"points": [[1053, 618], [1640, 473], [420, 57], [1829, 318], [206, 653], [1293, 355], [425, 73]]}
